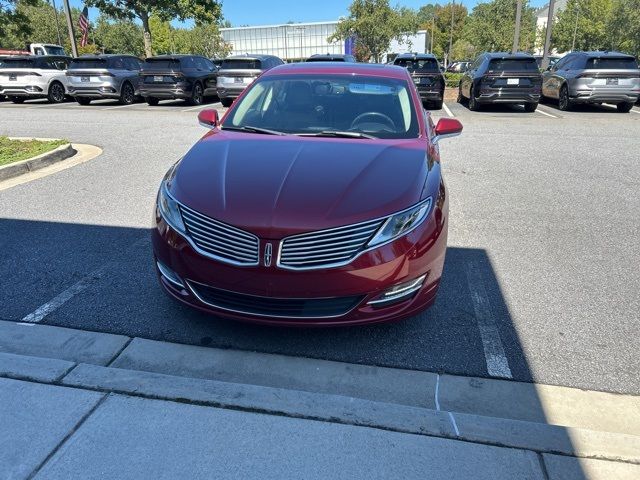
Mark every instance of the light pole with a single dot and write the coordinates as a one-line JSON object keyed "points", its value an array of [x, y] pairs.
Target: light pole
{"points": [[547, 39], [55, 13], [72, 37], [575, 30], [516, 33]]}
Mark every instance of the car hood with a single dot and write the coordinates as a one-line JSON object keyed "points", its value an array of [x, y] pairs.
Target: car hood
{"points": [[279, 186]]}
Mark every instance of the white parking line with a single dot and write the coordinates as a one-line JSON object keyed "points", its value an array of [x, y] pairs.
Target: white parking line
{"points": [[497, 364], [204, 105], [120, 106], [56, 302], [635, 111], [454, 424], [542, 112], [446, 109]]}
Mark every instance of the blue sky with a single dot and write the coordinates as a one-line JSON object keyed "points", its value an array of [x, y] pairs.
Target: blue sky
{"points": [[261, 12]]}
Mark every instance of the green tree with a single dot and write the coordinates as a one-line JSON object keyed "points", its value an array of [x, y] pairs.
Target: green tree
{"points": [[144, 10], [12, 20], [586, 21], [119, 36], [440, 27], [624, 26], [374, 24], [203, 39], [162, 34], [491, 25]]}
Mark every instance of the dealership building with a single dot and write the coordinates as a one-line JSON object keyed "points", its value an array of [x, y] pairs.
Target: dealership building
{"points": [[296, 41]]}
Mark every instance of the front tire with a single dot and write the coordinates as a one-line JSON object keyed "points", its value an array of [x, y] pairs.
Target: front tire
{"points": [[56, 93], [197, 95], [152, 101], [530, 107], [624, 107], [460, 98], [564, 102], [83, 100], [127, 94]]}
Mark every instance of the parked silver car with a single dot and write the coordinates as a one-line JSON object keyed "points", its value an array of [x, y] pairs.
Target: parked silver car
{"points": [[93, 77], [28, 76], [593, 77], [236, 73]]}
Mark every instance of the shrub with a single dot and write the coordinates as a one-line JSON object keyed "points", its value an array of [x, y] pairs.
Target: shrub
{"points": [[452, 80]]}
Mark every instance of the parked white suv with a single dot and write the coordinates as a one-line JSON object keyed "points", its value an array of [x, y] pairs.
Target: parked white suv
{"points": [[31, 76]]}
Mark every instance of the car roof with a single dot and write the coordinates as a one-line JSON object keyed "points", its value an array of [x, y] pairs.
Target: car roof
{"points": [[374, 69], [172, 56], [101, 56], [417, 55], [33, 57], [250, 56], [606, 53], [507, 55]]}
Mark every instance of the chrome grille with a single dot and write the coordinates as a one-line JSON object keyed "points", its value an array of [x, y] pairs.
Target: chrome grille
{"points": [[326, 248], [219, 240]]}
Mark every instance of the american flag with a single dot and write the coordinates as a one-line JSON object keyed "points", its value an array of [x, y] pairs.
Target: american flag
{"points": [[83, 23]]}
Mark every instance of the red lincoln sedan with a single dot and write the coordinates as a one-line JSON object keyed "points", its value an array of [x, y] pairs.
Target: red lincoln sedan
{"points": [[317, 200]]}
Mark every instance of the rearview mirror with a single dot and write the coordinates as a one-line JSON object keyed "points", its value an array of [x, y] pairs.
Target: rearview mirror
{"points": [[445, 128], [208, 118]]}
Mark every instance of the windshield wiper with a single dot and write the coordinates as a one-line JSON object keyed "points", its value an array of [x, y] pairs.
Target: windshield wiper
{"points": [[337, 133], [250, 129]]}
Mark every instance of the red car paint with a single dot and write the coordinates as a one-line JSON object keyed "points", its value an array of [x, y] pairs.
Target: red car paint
{"points": [[278, 186]]}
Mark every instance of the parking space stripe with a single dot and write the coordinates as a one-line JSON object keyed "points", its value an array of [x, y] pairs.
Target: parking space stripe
{"points": [[120, 106], [204, 105], [542, 112], [635, 111], [497, 364], [446, 109]]}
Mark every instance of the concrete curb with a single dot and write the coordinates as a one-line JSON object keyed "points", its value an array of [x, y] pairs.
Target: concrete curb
{"points": [[35, 163], [485, 411]]}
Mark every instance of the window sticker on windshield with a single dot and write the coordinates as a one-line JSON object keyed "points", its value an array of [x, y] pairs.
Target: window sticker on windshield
{"points": [[372, 88]]}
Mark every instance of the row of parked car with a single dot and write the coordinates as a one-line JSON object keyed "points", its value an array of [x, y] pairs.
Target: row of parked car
{"points": [[579, 77]]}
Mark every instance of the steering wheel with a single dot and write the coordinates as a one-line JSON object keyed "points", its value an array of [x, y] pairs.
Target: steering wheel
{"points": [[377, 116]]}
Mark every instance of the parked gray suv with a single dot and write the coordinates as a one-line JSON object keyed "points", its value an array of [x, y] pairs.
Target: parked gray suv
{"points": [[104, 76], [236, 73], [593, 77]]}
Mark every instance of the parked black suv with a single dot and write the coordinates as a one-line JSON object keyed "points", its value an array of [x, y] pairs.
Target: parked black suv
{"points": [[236, 73], [426, 74], [190, 77], [331, 57], [502, 78]]}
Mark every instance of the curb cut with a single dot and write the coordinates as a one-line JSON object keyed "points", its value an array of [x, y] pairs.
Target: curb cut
{"points": [[35, 163]]}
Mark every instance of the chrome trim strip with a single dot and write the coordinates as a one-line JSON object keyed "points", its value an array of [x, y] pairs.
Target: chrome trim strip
{"points": [[195, 294], [169, 275]]}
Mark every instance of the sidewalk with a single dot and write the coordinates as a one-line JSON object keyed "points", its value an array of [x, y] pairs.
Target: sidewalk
{"points": [[86, 405]]}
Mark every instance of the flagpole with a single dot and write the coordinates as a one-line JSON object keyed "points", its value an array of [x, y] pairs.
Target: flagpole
{"points": [[72, 37], [55, 12]]}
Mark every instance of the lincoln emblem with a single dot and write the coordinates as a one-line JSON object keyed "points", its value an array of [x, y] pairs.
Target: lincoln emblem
{"points": [[267, 255]]}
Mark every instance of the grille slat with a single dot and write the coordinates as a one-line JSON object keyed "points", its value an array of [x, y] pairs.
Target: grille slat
{"points": [[219, 240], [326, 248], [275, 307]]}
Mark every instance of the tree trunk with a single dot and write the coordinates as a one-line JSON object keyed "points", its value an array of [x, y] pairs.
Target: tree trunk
{"points": [[144, 16]]}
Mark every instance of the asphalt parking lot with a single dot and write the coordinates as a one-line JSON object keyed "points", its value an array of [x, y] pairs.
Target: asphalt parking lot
{"points": [[541, 279]]}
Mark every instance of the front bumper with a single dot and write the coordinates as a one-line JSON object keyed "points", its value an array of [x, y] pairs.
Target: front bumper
{"points": [[179, 91], [342, 293]]}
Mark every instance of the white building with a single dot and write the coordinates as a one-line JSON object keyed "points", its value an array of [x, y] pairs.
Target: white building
{"points": [[296, 41], [541, 22]]}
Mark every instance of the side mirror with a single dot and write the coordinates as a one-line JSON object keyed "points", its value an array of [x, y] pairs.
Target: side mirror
{"points": [[445, 128], [208, 118]]}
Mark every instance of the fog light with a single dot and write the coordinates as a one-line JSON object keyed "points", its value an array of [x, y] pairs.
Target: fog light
{"points": [[170, 275], [107, 90], [398, 293], [33, 88]]}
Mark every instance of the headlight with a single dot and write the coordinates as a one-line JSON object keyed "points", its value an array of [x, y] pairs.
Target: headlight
{"points": [[167, 205], [401, 223]]}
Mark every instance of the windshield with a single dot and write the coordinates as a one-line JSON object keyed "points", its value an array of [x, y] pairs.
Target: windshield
{"points": [[161, 63], [17, 63], [241, 64], [54, 50], [316, 104], [88, 63], [608, 63], [513, 65], [424, 65]]}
